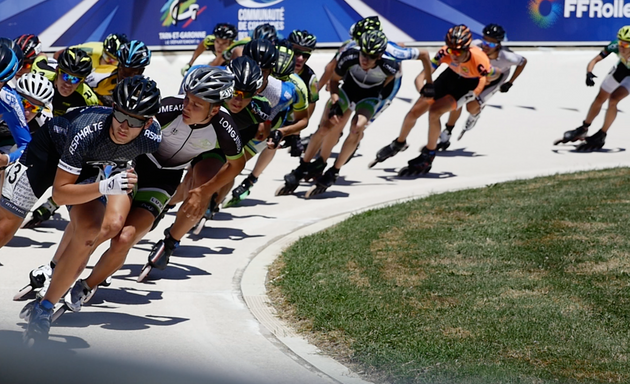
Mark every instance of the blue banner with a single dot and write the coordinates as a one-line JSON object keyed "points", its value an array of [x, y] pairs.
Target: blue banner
{"points": [[184, 23]]}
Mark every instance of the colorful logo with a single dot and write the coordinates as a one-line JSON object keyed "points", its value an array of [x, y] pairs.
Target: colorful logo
{"points": [[549, 7], [258, 3], [174, 11]]}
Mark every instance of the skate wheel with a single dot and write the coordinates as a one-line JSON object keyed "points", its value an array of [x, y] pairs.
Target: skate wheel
{"points": [[372, 163], [25, 313], [314, 191], [285, 190], [144, 273], [23, 292], [200, 225], [58, 313]]}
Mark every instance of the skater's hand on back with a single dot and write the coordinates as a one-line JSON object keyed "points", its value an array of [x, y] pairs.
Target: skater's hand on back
{"points": [[505, 87], [274, 139], [589, 79]]}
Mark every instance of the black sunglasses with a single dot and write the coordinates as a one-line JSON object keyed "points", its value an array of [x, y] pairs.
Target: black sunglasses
{"points": [[132, 122]]}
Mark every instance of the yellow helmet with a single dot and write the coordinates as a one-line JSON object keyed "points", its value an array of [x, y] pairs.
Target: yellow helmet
{"points": [[624, 33]]}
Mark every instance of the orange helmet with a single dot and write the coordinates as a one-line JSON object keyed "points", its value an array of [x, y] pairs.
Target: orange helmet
{"points": [[458, 37]]}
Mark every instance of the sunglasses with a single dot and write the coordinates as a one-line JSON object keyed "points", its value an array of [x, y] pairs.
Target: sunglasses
{"points": [[68, 78], [371, 57], [304, 54], [132, 122], [489, 44], [456, 52], [243, 94], [28, 106], [27, 65], [623, 44]]}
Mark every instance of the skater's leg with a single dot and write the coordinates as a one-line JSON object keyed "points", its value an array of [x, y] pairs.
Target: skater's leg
{"points": [[333, 138], [138, 224], [315, 142], [357, 128], [439, 108], [265, 157], [453, 117], [419, 108], [89, 217], [182, 189], [202, 172], [596, 106], [9, 224], [611, 113]]}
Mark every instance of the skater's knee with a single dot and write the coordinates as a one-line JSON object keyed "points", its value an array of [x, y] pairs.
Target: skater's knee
{"points": [[112, 227], [125, 238]]}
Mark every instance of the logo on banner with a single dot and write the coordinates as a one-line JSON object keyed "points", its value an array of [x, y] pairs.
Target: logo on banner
{"points": [[258, 3], [545, 13], [174, 11], [250, 18]]}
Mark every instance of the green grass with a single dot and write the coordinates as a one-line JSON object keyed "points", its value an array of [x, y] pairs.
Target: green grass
{"points": [[523, 282]]}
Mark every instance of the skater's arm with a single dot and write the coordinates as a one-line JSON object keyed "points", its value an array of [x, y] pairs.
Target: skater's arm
{"points": [[328, 72], [301, 121], [426, 64], [201, 48], [66, 192], [420, 79], [591, 64], [518, 70]]}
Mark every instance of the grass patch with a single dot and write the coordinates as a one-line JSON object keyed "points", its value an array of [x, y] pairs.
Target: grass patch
{"points": [[522, 282]]}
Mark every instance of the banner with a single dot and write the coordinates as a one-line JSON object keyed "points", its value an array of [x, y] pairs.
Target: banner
{"points": [[177, 24]]}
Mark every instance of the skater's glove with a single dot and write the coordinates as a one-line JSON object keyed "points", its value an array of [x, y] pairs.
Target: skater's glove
{"points": [[118, 184], [185, 69], [335, 110], [428, 90], [466, 99], [589, 79], [505, 87], [274, 139]]}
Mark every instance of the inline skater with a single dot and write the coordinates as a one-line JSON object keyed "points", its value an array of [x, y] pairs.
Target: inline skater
{"points": [[501, 59], [133, 57], [222, 37], [462, 81], [103, 54], [11, 109], [288, 96], [264, 31], [213, 165], [71, 144], [614, 88], [303, 44]]}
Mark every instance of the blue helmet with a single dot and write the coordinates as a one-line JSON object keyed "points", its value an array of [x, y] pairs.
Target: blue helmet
{"points": [[134, 54], [9, 64]]}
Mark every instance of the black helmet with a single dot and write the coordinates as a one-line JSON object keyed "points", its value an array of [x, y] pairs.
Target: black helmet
{"points": [[494, 31], [373, 42], [8, 63], [264, 52], [265, 31], [134, 54], [458, 37], [113, 41], [30, 46], [16, 49], [303, 39], [211, 84], [370, 23], [225, 31], [137, 95], [247, 74], [285, 64], [75, 62]]}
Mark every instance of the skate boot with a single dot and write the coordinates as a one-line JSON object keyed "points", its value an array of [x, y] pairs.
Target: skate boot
{"points": [[39, 279], [242, 191], [292, 179], [78, 295], [314, 169], [39, 321], [578, 133], [42, 213], [421, 165], [445, 140], [593, 143], [388, 151], [160, 255], [470, 124], [294, 143], [106, 283], [324, 182]]}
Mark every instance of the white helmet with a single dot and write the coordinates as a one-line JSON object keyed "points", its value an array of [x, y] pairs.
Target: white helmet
{"points": [[36, 86]]}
